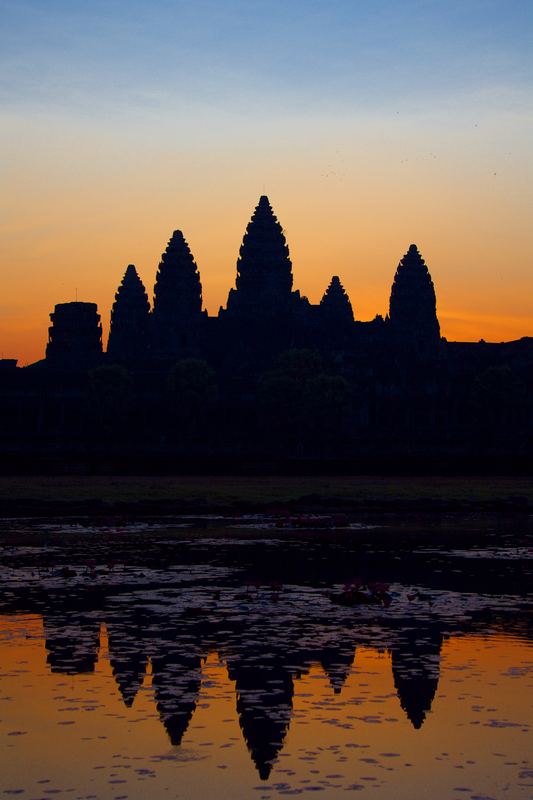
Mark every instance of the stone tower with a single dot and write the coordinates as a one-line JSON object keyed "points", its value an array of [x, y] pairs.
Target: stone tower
{"points": [[177, 310], [412, 310], [264, 269], [75, 336], [335, 306], [130, 320]]}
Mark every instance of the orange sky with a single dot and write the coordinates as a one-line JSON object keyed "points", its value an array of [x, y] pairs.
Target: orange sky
{"points": [[78, 235], [368, 129]]}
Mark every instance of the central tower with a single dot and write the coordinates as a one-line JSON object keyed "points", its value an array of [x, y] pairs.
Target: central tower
{"points": [[264, 269], [413, 304]]}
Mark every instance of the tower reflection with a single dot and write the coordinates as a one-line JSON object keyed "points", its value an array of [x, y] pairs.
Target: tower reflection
{"points": [[72, 640], [416, 670], [264, 657], [265, 650]]}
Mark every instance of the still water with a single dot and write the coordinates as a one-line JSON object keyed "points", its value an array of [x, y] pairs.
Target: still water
{"points": [[162, 664]]}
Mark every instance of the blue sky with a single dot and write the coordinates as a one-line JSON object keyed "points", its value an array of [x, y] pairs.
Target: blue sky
{"points": [[301, 54]]}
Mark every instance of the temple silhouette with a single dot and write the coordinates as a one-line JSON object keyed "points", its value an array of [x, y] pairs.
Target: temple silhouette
{"points": [[271, 375], [264, 314]]}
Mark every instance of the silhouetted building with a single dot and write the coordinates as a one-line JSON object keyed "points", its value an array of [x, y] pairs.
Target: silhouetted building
{"points": [[177, 312], [335, 306], [8, 366], [75, 336], [263, 288], [129, 334], [413, 305], [271, 375]]}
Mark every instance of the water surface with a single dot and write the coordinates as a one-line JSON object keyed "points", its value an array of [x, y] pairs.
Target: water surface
{"points": [[226, 661]]}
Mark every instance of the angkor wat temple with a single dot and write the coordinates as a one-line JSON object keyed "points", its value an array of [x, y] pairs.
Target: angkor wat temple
{"points": [[271, 375]]}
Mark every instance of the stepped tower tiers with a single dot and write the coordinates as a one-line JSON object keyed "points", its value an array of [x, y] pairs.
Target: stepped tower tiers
{"points": [[264, 269], [413, 313], [75, 336], [177, 300], [130, 320], [335, 305]]}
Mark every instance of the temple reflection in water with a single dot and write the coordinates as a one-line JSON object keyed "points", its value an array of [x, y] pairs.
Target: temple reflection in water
{"points": [[263, 660]]}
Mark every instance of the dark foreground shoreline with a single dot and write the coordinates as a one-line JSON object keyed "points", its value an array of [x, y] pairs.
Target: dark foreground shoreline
{"points": [[160, 495]]}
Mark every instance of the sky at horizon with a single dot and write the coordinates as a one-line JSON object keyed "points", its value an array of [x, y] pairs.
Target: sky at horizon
{"points": [[370, 125]]}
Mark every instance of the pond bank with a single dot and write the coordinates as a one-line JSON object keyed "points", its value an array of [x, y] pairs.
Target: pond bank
{"points": [[148, 495]]}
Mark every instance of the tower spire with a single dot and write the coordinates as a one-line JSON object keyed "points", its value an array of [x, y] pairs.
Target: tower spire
{"points": [[130, 317], [413, 304], [335, 304], [264, 268], [177, 298]]}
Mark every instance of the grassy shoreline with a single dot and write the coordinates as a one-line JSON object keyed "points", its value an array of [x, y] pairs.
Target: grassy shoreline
{"points": [[30, 495]]}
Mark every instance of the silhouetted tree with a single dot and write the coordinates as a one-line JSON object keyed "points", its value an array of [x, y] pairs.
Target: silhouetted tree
{"points": [[305, 407], [325, 412], [280, 394], [110, 398], [193, 394], [300, 365], [498, 400]]}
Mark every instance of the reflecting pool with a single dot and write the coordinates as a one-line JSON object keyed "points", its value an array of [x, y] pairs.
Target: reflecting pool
{"points": [[232, 661]]}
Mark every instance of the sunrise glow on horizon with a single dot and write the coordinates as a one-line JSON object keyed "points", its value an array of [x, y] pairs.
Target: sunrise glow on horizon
{"points": [[369, 126]]}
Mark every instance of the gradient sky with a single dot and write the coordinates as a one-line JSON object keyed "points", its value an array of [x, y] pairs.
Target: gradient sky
{"points": [[370, 124]]}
